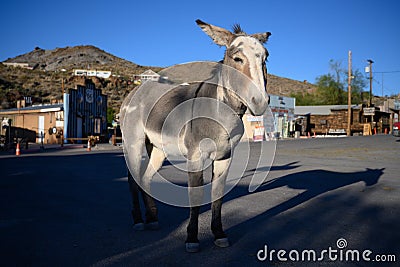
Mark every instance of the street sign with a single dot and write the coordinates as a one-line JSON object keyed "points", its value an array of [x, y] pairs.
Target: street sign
{"points": [[369, 111], [337, 131]]}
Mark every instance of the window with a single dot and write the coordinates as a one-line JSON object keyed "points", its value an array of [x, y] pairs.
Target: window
{"points": [[97, 125]]}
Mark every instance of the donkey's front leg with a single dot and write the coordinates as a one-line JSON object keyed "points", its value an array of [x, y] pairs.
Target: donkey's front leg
{"points": [[195, 198], [220, 172]]}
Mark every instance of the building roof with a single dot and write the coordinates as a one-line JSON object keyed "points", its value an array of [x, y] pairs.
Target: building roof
{"points": [[321, 110], [40, 108], [149, 73]]}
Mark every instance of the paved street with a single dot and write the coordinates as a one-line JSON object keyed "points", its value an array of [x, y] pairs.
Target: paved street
{"points": [[72, 208]]}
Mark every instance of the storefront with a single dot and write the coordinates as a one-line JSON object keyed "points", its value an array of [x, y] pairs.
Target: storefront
{"points": [[82, 113], [276, 122]]}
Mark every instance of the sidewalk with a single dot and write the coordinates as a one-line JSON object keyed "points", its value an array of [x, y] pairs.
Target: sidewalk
{"points": [[37, 148]]}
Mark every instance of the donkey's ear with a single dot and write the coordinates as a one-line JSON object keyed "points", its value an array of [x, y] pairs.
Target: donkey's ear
{"points": [[262, 37], [219, 35]]}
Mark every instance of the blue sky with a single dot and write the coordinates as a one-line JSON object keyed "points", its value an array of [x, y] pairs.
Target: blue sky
{"points": [[305, 34]]}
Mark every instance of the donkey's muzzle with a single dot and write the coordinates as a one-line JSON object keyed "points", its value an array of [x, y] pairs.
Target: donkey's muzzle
{"points": [[258, 105]]}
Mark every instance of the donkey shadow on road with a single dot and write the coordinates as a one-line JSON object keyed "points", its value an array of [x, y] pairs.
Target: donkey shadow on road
{"points": [[317, 182], [311, 184]]}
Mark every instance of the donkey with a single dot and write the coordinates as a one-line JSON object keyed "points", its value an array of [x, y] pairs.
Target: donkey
{"points": [[211, 135]]}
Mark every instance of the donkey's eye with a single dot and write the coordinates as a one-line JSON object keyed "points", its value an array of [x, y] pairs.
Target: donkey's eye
{"points": [[238, 59]]}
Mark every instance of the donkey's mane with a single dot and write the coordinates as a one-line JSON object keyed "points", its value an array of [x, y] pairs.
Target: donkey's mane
{"points": [[237, 29]]}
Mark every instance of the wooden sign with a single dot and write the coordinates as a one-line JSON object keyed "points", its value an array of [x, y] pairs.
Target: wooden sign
{"points": [[369, 111], [367, 129]]}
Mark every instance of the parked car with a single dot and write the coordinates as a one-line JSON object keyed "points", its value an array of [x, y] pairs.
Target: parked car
{"points": [[396, 129]]}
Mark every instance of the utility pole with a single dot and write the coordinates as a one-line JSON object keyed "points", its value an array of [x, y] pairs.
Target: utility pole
{"points": [[370, 82], [62, 85], [370, 92], [349, 97]]}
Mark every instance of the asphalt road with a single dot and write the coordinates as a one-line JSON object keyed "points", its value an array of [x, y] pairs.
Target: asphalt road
{"points": [[72, 208]]}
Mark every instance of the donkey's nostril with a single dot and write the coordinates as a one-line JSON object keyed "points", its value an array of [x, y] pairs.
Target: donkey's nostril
{"points": [[254, 101]]}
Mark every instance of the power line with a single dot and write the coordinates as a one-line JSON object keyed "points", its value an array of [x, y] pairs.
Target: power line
{"points": [[393, 71], [382, 85]]}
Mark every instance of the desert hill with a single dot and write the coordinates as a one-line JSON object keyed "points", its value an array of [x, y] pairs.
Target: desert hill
{"points": [[85, 56], [42, 75]]}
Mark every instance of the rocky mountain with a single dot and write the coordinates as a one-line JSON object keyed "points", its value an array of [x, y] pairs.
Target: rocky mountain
{"points": [[76, 57], [285, 87], [42, 73]]}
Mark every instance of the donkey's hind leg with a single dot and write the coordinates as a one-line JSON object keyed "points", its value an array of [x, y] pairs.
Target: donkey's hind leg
{"points": [[157, 157], [136, 211], [135, 164]]}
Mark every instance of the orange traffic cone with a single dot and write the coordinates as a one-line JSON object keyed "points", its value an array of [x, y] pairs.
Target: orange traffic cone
{"points": [[17, 150], [89, 147]]}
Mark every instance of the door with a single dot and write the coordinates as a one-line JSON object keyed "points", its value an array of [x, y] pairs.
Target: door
{"points": [[79, 128], [41, 129]]}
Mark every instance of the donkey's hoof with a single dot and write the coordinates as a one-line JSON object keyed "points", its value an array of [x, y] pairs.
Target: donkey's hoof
{"points": [[192, 247], [222, 242], [138, 226], [152, 226]]}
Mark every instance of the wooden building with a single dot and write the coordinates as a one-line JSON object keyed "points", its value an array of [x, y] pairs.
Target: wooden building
{"points": [[45, 120], [83, 112], [333, 119]]}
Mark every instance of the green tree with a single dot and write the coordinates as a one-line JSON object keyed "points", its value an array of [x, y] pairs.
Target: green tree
{"points": [[358, 83], [329, 90], [332, 88], [305, 99], [110, 115]]}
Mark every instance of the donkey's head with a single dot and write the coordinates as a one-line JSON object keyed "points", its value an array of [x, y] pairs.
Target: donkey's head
{"points": [[247, 54]]}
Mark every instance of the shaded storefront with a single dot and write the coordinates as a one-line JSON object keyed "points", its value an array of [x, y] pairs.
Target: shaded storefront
{"points": [[81, 113], [85, 111]]}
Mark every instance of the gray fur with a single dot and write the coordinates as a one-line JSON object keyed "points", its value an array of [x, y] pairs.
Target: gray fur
{"points": [[199, 120]]}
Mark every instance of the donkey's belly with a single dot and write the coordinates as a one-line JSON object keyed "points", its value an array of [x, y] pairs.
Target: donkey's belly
{"points": [[208, 139], [170, 145]]}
